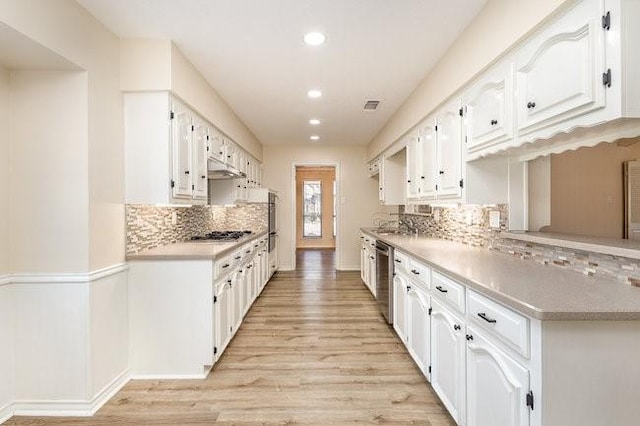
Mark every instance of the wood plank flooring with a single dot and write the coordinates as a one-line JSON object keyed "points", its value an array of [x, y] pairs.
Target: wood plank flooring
{"points": [[312, 350]]}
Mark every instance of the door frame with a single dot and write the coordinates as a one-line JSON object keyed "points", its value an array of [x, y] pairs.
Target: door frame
{"points": [[294, 222]]}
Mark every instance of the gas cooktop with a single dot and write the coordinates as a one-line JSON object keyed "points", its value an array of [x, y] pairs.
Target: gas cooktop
{"points": [[222, 236]]}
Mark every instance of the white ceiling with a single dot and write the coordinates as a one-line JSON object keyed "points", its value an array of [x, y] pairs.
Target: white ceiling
{"points": [[252, 53]]}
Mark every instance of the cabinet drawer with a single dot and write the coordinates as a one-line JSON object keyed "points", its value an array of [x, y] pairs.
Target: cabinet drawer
{"points": [[223, 266], [448, 290], [509, 326], [401, 262], [420, 273]]}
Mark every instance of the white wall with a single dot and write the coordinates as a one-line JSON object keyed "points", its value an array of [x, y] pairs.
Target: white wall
{"points": [[496, 28], [158, 65], [359, 195]]}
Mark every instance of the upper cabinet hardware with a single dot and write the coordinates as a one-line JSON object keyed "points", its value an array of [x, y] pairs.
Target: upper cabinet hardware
{"points": [[531, 105], [441, 172], [460, 111], [456, 327], [397, 260], [494, 122], [469, 337], [530, 400], [606, 21], [485, 317], [441, 290]]}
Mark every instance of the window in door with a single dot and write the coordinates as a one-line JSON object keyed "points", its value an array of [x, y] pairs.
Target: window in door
{"points": [[312, 209], [335, 203]]}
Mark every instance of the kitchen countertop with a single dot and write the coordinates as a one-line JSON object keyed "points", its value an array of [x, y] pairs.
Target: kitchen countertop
{"points": [[193, 250], [542, 292]]}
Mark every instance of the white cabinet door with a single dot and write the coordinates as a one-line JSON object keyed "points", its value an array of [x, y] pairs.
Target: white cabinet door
{"points": [[222, 315], [429, 165], [448, 360], [199, 158], [400, 307], [419, 333], [559, 71], [364, 263], [181, 135], [496, 386], [414, 165], [449, 142], [217, 146], [488, 109]]}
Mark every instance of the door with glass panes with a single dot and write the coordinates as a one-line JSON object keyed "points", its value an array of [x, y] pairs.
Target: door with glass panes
{"points": [[315, 207]]}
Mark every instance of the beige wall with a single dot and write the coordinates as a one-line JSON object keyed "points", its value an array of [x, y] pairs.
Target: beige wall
{"points": [[587, 191], [496, 28], [4, 172], [49, 208], [160, 65], [68, 30], [358, 195]]}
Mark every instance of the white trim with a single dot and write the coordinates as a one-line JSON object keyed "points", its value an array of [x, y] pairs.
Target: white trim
{"points": [[6, 412], [63, 278], [170, 376], [4, 280], [350, 269], [71, 408]]}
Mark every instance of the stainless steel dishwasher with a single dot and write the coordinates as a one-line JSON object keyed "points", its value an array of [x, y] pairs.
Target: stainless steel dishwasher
{"points": [[384, 279]]}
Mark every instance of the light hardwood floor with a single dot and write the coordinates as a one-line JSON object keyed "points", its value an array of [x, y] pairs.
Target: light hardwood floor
{"points": [[313, 349]]}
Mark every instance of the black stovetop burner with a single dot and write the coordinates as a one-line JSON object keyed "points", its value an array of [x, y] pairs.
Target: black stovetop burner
{"points": [[221, 236]]}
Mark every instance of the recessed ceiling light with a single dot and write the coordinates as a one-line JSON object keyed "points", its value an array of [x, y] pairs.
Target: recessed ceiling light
{"points": [[314, 38], [314, 93], [314, 121], [314, 137]]}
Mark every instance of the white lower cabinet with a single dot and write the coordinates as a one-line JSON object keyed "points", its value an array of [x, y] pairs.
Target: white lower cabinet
{"points": [[368, 263], [400, 289], [222, 315], [448, 359], [497, 385], [419, 328]]}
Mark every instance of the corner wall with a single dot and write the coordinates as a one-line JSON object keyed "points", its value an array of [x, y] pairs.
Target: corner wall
{"points": [[496, 28], [358, 196]]}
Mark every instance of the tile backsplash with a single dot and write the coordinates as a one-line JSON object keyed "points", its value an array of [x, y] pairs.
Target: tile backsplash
{"points": [[153, 226], [469, 224]]}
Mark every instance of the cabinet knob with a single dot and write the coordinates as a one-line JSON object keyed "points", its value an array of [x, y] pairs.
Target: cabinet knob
{"points": [[469, 337], [409, 181], [494, 122], [203, 177], [531, 105], [441, 172], [456, 327], [186, 172]]}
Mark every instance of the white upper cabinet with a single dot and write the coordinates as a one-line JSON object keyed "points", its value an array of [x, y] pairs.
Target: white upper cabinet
{"points": [[449, 147], [199, 158], [217, 146], [488, 110], [165, 151], [559, 71], [414, 166], [429, 165]]}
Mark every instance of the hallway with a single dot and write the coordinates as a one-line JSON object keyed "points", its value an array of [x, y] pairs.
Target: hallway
{"points": [[313, 349]]}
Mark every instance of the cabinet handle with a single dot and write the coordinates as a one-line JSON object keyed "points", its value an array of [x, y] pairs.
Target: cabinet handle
{"points": [[441, 290], [531, 105], [456, 327], [203, 177], [371, 257], [226, 265], [485, 317], [237, 257], [469, 337], [421, 177], [186, 172], [494, 122], [441, 172], [409, 181], [413, 271], [397, 260], [248, 251], [408, 288]]}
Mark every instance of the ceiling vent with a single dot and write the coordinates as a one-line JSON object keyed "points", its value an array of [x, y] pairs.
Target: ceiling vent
{"points": [[371, 105]]}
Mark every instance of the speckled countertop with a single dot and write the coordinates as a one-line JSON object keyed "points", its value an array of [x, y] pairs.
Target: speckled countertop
{"points": [[542, 292], [190, 250]]}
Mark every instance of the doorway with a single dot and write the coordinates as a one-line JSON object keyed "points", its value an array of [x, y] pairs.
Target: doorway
{"points": [[316, 212]]}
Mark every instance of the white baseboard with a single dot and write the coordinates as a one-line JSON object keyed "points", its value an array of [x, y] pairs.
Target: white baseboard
{"points": [[69, 408], [350, 269], [6, 412]]}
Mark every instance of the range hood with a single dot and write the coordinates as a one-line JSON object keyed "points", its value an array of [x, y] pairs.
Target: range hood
{"points": [[219, 170]]}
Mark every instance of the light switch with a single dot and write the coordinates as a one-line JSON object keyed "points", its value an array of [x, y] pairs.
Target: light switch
{"points": [[494, 219]]}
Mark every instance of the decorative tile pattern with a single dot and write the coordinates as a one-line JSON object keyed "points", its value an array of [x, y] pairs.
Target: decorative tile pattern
{"points": [[152, 226], [469, 224]]}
